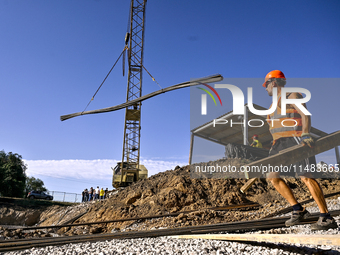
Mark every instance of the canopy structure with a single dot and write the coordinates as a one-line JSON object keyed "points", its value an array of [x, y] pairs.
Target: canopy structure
{"points": [[229, 129]]}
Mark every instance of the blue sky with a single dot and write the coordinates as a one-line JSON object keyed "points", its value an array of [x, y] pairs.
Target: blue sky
{"points": [[54, 55]]}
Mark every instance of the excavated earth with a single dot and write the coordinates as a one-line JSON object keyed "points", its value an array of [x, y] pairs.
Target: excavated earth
{"points": [[161, 194]]}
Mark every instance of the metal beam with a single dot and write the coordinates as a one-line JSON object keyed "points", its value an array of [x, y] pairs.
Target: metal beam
{"points": [[211, 140], [337, 154]]}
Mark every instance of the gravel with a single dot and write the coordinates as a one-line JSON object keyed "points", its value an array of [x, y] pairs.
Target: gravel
{"points": [[168, 245]]}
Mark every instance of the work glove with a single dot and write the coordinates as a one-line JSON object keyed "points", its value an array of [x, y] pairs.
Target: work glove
{"points": [[307, 139]]}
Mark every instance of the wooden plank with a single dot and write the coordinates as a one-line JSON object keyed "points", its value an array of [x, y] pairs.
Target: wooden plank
{"points": [[292, 155], [248, 184], [296, 153], [272, 238]]}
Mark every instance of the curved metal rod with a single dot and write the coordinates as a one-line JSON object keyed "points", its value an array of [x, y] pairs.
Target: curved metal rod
{"points": [[209, 79]]}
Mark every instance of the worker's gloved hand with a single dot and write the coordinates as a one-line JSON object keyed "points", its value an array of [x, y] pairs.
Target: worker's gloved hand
{"points": [[307, 139]]}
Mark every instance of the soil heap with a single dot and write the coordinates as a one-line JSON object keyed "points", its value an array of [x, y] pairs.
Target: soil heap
{"points": [[175, 191]]}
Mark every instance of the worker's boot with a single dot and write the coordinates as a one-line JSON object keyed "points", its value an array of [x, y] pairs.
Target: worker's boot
{"points": [[296, 217], [324, 224]]}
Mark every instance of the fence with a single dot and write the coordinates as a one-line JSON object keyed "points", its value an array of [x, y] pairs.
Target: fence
{"points": [[65, 197]]}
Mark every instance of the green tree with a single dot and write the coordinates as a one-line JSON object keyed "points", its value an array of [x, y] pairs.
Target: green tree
{"points": [[12, 175], [33, 183]]}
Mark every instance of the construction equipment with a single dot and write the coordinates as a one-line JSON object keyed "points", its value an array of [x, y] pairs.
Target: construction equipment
{"points": [[129, 174], [131, 150], [290, 156], [129, 169]]}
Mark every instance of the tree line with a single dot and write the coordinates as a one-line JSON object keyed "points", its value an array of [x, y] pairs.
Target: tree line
{"points": [[13, 179]]}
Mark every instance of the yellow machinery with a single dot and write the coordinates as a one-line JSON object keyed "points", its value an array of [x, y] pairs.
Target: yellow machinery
{"points": [[129, 173]]}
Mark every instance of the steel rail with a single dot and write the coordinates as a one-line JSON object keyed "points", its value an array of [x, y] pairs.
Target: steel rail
{"points": [[224, 208], [10, 245], [289, 209], [209, 79]]}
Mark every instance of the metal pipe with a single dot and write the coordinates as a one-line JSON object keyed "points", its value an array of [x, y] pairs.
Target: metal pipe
{"points": [[245, 126], [191, 147]]}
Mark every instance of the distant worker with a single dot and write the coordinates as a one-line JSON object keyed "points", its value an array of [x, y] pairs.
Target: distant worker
{"points": [[102, 193], [97, 192], [106, 193], [83, 196], [90, 193], [256, 143], [86, 195], [285, 136]]}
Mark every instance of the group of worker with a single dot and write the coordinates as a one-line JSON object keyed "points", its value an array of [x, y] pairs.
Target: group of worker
{"points": [[285, 137], [94, 194]]}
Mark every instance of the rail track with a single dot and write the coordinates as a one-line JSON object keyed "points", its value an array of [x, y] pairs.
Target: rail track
{"points": [[224, 208], [289, 209], [262, 224], [266, 223]]}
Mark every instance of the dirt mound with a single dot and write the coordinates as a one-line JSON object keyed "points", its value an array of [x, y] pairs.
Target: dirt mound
{"points": [[17, 215], [168, 192], [175, 191]]}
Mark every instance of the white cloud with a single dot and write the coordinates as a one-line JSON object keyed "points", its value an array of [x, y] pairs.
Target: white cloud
{"points": [[89, 169], [156, 166]]}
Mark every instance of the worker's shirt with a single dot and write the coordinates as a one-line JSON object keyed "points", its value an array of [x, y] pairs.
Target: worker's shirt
{"points": [[289, 125], [257, 144]]}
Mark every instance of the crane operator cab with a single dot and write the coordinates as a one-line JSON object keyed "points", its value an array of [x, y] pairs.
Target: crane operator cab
{"points": [[127, 173]]}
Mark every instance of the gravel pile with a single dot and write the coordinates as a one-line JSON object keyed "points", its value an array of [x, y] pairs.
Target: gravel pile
{"points": [[168, 245]]}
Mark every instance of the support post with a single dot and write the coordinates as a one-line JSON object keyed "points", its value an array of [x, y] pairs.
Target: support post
{"points": [[337, 155], [191, 147], [245, 126]]}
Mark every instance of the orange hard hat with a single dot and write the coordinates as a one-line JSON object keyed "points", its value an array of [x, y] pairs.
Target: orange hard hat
{"points": [[273, 74], [255, 136]]}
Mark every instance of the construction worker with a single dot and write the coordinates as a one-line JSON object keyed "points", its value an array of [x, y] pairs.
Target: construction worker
{"points": [[256, 143], [287, 136]]}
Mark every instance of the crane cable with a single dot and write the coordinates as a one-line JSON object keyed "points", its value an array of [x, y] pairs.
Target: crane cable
{"points": [[127, 37], [152, 77], [122, 54], [125, 48]]}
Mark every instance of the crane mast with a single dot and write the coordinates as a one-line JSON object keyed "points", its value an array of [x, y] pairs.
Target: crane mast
{"points": [[132, 127]]}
